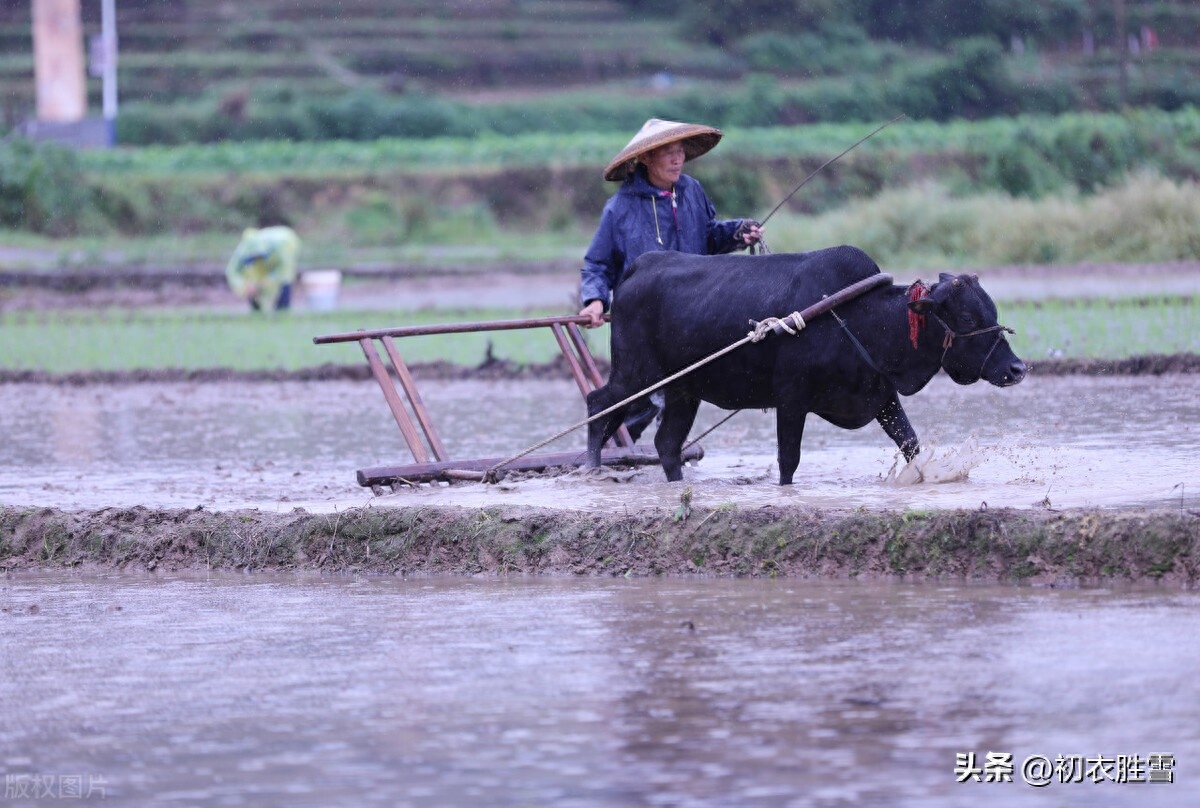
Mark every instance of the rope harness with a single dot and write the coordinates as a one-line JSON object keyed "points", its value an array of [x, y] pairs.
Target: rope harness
{"points": [[948, 340], [760, 331], [858, 346], [916, 322], [791, 324]]}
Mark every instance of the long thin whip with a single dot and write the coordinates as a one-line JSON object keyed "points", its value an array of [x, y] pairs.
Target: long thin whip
{"points": [[830, 161]]}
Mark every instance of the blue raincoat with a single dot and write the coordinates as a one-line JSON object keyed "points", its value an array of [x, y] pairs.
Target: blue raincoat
{"points": [[639, 218]]}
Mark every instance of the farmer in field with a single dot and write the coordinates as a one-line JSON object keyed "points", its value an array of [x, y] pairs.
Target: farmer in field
{"points": [[657, 207], [263, 267]]}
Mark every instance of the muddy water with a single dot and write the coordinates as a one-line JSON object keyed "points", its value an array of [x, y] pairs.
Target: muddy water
{"points": [[272, 690], [1062, 442]]}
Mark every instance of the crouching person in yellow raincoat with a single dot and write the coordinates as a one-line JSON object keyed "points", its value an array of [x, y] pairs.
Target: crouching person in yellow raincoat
{"points": [[263, 267]]}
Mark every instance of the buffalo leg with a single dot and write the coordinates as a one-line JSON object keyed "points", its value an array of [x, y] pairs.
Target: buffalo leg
{"points": [[789, 432], [894, 421], [604, 428], [641, 414], [679, 413]]}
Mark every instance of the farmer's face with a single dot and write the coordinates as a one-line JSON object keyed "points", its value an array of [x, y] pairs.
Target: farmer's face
{"points": [[664, 164]]}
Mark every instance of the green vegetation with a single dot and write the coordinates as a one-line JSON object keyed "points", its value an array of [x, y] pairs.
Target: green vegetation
{"points": [[1104, 329], [923, 227], [1141, 218], [409, 130], [970, 81], [394, 194], [40, 189], [1144, 219], [118, 340], [1096, 144]]}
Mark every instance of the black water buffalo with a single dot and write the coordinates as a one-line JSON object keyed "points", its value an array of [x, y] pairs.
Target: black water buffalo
{"points": [[849, 366]]}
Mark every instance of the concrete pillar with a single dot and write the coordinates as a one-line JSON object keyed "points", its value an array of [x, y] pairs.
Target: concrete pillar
{"points": [[58, 61]]}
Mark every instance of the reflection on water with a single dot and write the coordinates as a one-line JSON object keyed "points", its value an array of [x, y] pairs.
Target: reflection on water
{"points": [[271, 690], [1069, 441]]}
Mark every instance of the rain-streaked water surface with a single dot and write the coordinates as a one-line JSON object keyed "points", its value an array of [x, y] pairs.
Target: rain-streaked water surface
{"points": [[314, 691], [1065, 442]]}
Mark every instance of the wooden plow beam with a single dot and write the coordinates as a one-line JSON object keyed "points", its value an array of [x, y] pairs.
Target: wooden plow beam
{"points": [[428, 451]]}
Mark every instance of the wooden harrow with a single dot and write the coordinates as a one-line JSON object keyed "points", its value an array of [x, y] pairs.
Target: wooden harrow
{"points": [[428, 451]]}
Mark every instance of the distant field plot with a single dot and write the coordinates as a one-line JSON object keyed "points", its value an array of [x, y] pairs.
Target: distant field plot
{"points": [[65, 342], [1104, 329], [117, 340]]}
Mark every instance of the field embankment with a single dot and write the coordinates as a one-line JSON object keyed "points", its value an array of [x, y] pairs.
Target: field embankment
{"points": [[1040, 547]]}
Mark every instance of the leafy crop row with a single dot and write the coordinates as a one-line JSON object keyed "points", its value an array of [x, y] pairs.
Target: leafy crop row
{"points": [[1125, 138], [535, 181]]}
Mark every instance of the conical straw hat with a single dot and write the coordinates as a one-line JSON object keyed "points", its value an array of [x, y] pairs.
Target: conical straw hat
{"points": [[697, 139]]}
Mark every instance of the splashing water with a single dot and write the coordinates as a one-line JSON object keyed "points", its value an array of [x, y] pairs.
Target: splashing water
{"points": [[937, 465]]}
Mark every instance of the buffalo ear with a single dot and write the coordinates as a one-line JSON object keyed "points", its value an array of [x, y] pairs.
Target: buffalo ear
{"points": [[922, 306], [945, 277]]}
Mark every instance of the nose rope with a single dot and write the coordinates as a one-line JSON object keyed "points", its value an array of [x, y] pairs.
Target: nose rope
{"points": [[916, 322], [948, 340]]}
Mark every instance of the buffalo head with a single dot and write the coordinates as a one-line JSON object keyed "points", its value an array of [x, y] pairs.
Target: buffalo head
{"points": [[973, 346]]}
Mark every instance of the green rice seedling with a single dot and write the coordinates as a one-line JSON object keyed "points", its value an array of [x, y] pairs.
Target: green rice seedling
{"points": [[1104, 329], [117, 340]]}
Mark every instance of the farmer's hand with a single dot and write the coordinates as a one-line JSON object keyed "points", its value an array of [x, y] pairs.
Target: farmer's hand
{"points": [[749, 233], [595, 312]]}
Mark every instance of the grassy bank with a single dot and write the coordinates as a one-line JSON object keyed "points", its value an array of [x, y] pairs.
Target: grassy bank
{"points": [[1041, 547], [126, 340]]}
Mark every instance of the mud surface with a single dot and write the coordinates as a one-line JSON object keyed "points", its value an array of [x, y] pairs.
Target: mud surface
{"points": [[1055, 480]]}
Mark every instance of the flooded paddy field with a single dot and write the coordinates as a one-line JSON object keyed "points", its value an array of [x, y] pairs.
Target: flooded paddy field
{"points": [[314, 690], [1057, 442], [1060, 480], [587, 640]]}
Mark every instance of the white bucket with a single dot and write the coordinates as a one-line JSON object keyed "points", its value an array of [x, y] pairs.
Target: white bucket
{"points": [[321, 288]]}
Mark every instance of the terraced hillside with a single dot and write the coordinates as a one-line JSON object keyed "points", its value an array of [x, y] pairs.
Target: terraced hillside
{"points": [[182, 50], [197, 70]]}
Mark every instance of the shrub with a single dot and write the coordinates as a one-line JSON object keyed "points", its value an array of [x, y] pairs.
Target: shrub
{"points": [[972, 83], [830, 50], [1145, 217], [42, 188], [1019, 169]]}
